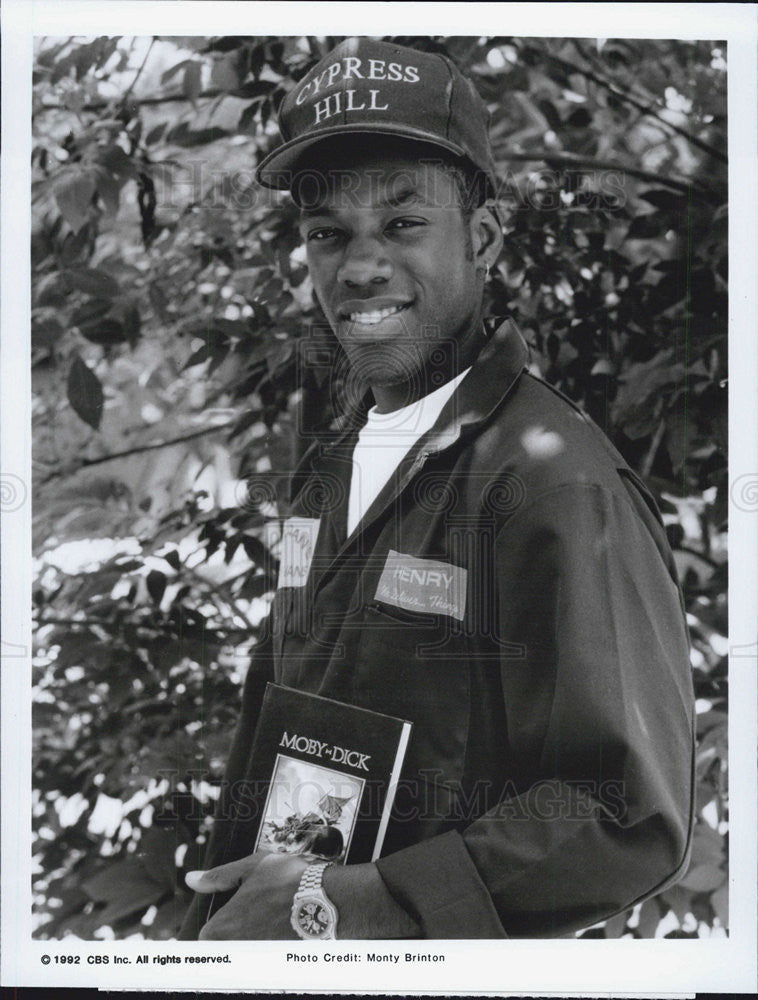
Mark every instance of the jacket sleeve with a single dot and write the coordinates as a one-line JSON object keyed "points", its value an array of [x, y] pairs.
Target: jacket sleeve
{"points": [[599, 706], [259, 673]]}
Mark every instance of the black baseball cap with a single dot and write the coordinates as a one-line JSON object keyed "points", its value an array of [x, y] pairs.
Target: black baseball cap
{"points": [[368, 86]]}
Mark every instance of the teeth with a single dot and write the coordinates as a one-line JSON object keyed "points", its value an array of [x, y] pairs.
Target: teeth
{"points": [[371, 318]]}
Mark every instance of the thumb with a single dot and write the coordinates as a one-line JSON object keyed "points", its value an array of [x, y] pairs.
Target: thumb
{"points": [[222, 878]]}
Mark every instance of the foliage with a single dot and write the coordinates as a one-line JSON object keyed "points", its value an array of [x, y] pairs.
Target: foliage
{"points": [[170, 314]]}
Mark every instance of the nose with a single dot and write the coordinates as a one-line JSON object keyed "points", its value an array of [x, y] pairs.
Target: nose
{"points": [[364, 263]]}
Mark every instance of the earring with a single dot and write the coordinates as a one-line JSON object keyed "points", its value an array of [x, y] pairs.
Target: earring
{"points": [[486, 269]]}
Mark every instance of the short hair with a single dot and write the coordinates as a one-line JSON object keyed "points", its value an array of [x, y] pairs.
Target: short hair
{"points": [[471, 183]]}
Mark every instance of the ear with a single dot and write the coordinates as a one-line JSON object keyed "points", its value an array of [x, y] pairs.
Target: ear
{"points": [[486, 236]]}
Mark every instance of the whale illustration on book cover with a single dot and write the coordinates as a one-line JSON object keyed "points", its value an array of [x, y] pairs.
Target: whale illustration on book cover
{"points": [[330, 771]]}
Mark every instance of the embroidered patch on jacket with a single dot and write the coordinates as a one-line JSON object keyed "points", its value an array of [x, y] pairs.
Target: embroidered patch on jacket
{"points": [[422, 585], [295, 550]]}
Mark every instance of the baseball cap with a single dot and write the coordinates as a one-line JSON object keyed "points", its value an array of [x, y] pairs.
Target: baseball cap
{"points": [[368, 86]]}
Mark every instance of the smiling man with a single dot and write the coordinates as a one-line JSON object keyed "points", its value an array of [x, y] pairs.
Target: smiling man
{"points": [[409, 318], [538, 644]]}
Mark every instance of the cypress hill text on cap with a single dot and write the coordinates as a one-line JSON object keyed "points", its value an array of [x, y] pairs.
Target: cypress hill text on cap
{"points": [[367, 86]]}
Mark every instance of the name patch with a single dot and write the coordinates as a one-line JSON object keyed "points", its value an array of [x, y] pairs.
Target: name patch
{"points": [[423, 585], [296, 548]]}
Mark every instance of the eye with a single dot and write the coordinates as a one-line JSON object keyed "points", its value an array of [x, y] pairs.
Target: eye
{"points": [[405, 223], [320, 235]]}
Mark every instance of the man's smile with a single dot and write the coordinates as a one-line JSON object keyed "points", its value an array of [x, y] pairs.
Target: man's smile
{"points": [[370, 312]]}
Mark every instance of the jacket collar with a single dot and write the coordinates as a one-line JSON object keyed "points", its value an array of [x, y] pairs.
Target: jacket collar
{"points": [[495, 370], [492, 376]]}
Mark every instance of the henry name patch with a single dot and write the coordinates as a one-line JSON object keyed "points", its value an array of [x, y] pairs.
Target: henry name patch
{"points": [[423, 585]]}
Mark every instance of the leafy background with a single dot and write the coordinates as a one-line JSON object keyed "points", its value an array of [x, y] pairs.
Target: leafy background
{"points": [[170, 307]]}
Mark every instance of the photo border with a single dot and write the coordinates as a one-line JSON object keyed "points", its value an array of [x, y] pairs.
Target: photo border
{"points": [[560, 967]]}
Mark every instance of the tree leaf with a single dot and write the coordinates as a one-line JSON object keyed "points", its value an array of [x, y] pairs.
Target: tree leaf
{"points": [[650, 917], [643, 227], [109, 191], [90, 311], [105, 330], [156, 585], [73, 193], [245, 421], [170, 73], [131, 323], [640, 390], [720, 904], [662, 198], [259, 88], [172, 558], [116, 161], [247, 116], [192, 81], [614, 926], [197, 357], [256, 586], [581, 118], [703, 878], [680, 901], [85, 394], [186, 137], [230, 548], [256, 551], [279, 356], [224, 72], [549, 110], [76, 246], [46, 330], [92, 281], [158, 300], [680, 434], [169, 917], [155, 133], [126, 887], [156, 852]]}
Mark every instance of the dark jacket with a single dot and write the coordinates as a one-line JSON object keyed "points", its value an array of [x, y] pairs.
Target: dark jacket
{"points": [[548, 782]]}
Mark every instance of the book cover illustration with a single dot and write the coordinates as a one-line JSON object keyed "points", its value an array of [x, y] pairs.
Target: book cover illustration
{"points": [[310, 810], [329, 773]]}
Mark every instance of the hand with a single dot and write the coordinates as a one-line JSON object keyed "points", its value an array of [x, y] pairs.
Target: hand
{"points": [[260, 908]]}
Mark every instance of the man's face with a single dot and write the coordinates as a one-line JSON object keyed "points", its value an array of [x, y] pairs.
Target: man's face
{"points": [[392, 260]]}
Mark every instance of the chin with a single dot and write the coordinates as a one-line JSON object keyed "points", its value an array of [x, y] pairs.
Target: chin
{"points": [[368, 372]]}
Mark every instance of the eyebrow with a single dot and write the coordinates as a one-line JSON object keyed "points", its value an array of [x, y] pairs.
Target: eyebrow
{"points": [[404, 197]]}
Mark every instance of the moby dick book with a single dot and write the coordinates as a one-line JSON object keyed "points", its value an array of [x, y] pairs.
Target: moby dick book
{"points": [[329, 771]]}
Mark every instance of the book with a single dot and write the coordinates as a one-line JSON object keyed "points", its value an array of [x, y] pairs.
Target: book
{"points": [[330, 772]]}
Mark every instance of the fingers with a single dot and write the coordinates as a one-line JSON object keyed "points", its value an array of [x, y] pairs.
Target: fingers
{"points": [[222, 878]]}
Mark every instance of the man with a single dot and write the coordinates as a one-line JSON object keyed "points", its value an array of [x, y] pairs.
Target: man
{"points": [[541, 652]]}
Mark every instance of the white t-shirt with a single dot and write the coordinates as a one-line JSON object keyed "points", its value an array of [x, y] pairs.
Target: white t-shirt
{"points": [[384, 442]]}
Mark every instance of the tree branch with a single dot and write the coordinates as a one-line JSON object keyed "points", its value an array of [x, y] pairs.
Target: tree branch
{"points": [[142, 101], [137, 450], [138, 74], [649, 110], [700, 555], [565, 159], [230, 601], [655, 443], [108, 624]]}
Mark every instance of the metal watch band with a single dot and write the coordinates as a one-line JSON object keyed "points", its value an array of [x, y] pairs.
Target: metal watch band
{"points": [[312, 876]]}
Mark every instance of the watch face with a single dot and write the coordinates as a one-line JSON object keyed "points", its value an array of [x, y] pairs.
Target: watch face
{"points": [[313, 918]]}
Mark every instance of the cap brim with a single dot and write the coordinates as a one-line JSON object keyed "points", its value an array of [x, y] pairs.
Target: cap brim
{"points": [[276, 170]]}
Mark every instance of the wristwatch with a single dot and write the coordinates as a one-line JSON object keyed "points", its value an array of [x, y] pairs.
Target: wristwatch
{"points": [[314, 915]]}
